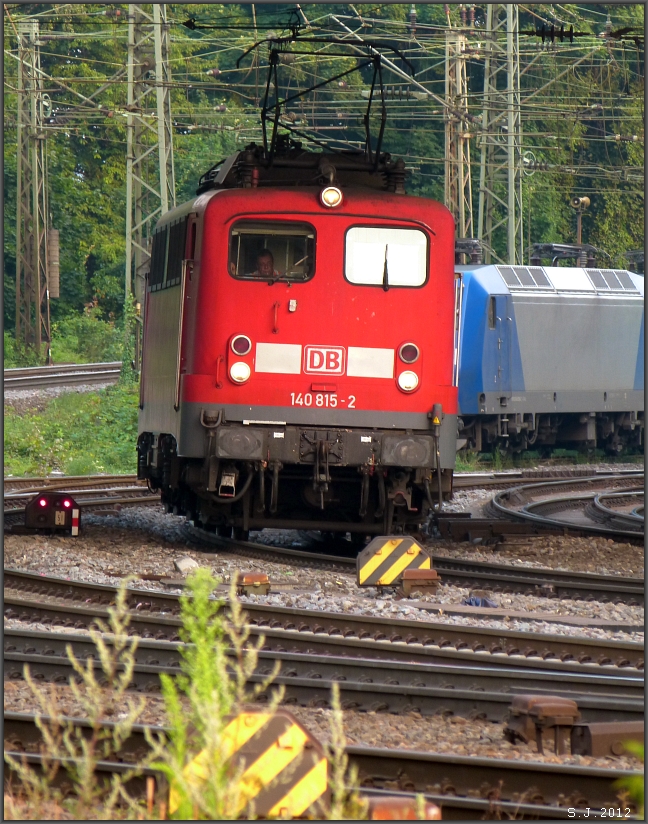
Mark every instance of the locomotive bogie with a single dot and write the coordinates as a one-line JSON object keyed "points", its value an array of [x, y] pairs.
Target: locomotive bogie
{"points": [[551, 356]]}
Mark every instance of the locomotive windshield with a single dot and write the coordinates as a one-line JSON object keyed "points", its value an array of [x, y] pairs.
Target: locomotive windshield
{"points": [[272, 252], [378, 256]]}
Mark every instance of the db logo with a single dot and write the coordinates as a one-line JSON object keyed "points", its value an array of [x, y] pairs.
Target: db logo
{"points": [[327, 360]]}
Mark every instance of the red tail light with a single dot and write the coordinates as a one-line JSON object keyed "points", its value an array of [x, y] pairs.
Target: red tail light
{"points": [[409, 353], [241, 344], [42, 502]]}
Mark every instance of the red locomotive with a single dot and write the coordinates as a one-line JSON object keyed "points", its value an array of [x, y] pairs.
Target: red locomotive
{"points": [[300, 348]]}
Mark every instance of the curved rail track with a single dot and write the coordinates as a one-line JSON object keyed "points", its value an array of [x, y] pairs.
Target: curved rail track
{"points": [[619, 509], [458, 782], [567, 504], [68, 374]]}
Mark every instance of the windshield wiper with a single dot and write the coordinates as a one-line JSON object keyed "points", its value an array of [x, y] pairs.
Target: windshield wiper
{"points": [[386, 271]]}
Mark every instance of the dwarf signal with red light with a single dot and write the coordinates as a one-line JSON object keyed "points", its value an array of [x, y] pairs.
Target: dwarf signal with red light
{"points": [[53, 512]]}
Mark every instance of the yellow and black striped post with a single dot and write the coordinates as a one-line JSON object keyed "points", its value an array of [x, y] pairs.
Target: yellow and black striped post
{"points": [[283, 770], [383, 561]]}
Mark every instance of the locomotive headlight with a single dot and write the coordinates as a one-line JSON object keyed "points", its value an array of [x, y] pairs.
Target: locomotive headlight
{"points": [[331, 197], [239, 372], [408, 381]]}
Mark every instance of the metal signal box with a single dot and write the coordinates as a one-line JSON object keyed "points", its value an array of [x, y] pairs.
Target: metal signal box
{"points": [[53, 512]]}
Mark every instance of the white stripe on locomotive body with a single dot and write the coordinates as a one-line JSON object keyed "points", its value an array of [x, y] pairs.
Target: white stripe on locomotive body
{"points": [[361, 361], [365, 362], [279, 358]]}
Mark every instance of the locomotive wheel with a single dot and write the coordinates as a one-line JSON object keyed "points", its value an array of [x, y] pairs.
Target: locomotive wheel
{"points": [[240, 534]]}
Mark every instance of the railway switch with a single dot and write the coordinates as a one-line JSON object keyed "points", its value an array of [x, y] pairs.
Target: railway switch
{"points": [[384, 560], [53, 512], [282, 770]]}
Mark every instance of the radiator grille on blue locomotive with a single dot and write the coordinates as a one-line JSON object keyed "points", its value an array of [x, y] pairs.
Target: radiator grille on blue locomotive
{"points": [[535, 277], [525, 277], [611, 280]]}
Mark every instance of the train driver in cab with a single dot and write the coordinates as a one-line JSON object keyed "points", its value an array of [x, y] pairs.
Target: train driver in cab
{"points": [[265, 265]]}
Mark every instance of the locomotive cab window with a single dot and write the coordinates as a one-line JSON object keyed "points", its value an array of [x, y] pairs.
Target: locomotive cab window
{"points": [[378, 256], [272, 252]]}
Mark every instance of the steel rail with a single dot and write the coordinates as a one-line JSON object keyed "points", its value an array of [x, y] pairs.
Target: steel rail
{"points": [[578, 506], [498, 577], [515, 503], [454, 808], [512, 642], [480, 480], [524, 781], [527, 782], [373, 670], [364, 685], [613, 513], [286, 640], [63, 375], [554, 583], [84, 485], [38, 484]]}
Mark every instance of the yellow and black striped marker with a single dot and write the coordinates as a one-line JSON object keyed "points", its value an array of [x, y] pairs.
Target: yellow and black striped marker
{"points": [[383, 561], [283, 770]]}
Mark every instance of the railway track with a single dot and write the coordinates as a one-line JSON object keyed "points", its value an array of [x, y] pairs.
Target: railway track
{"points": [[568, 504], [108, 493], [480, 480], [453, 779], [619, 509], [155, 614], [505, 578], [68, 374], [365, 685]]}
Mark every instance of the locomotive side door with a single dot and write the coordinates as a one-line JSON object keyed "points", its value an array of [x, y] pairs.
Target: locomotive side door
{"points": [[503, 326]]}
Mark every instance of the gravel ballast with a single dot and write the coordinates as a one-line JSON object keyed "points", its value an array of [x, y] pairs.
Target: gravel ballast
{"points": [[145, 541]]}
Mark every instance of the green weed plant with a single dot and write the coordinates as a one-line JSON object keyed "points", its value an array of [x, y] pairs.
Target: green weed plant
{"points": [[76, 753]]}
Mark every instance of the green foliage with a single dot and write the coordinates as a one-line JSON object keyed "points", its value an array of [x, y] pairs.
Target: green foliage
{"points": [[216, 665], [16, 355], [77, 433], [634, 786], [86, 338], [594, 91], [93, 797]]}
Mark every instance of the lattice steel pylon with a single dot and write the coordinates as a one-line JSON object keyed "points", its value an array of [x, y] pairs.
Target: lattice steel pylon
{"points": [[500, 173], [458, 187], [32, 294], [150, 179]]}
